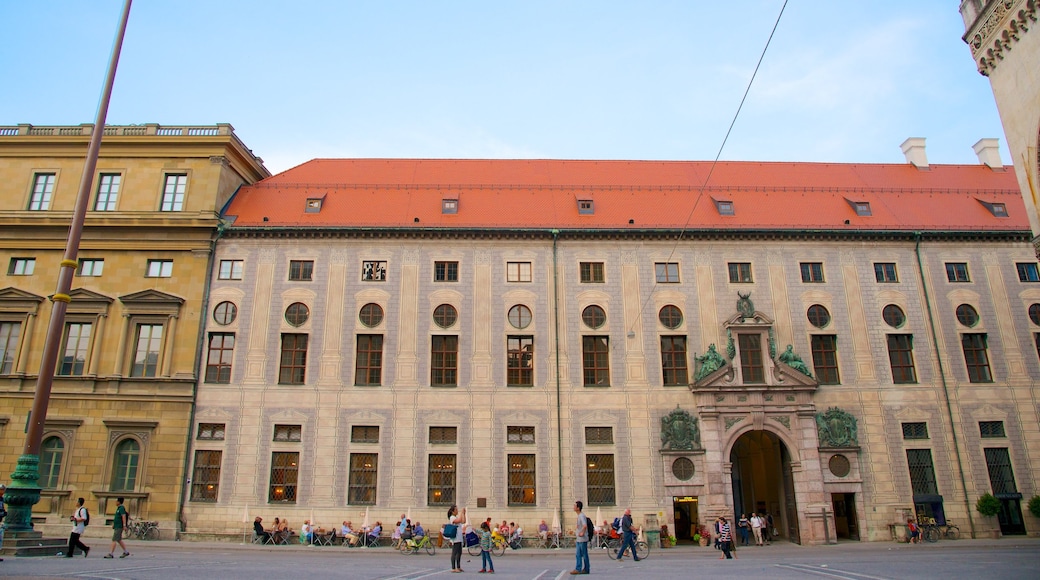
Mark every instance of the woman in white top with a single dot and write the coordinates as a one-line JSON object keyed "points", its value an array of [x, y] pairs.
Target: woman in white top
{"points": [[459, 519]]}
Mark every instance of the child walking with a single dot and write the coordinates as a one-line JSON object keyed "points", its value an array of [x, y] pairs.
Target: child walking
{"points": [[486, 565]]}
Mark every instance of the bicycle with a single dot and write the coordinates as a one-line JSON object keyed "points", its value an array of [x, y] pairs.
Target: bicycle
{"points": [[951, 531], [144, 530], [930, 532], [612, 545], [411, 546], [498, 547]]}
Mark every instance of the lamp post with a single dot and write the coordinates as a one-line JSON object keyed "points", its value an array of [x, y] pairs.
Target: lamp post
{"points": [[24, 490]]}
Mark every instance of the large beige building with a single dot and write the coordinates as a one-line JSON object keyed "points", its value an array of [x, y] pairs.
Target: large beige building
{"points": [[121, 405], [836, 344]]}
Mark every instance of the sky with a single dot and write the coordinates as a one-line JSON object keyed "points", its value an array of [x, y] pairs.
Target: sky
{"points": [[841, 81]]}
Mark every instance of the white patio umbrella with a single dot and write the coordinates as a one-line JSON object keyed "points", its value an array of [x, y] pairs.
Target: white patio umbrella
{"points": [[245, 515], [599, 518], [364, 523], [556, 522]]}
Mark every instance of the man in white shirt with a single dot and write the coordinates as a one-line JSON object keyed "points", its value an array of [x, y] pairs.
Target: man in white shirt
{"points": [[757, 523], [79, 524]]}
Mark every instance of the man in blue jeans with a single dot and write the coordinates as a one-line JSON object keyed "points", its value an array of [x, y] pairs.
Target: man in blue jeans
{"points": [[582, 531], [630, 536]]}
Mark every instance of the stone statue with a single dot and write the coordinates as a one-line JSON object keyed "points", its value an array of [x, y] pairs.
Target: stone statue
{"points": [[679, 431], [745, 307], [836, 428], [709, 363], [794, 361], [731, 348]]}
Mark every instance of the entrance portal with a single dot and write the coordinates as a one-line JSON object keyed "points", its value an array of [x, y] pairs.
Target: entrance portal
{"points": [[763, 482], [684, 509], [845, 523]]}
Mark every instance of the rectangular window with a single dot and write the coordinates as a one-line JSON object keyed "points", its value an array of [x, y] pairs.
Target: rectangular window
{"points": [[591, 272], [373, 271], [922, 471], [991, 429], [976, 358], [444, 361], [444, 435], [518, 434], [957, 272], [521, 479], [595, 361], [915, 430], [599, 473], [901, 358], [230, 270], [291, 433], [1001, 476], [43, 189], [812, 272], [441, 486], [294, 359], [673, 360], [146, 354], [885, 272], [519, 361], [667, 272], [21, 267], [586, 207], [445, 271], [159, 269], [221, 352], [75, 345], [518, 271], [1027, 272], [751, 368], [739, 273], [599, 435], [90, 267], [173, 192], [205, 478], [10, 332], [369, 362], [108, 192], [364, 434], [825, 358], [285, 467], [210, 432], [362, 484], [301, 270], [52, 455]]}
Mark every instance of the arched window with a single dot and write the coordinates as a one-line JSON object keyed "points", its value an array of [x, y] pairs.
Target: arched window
{"points": [[51, 454], [125, 464]]}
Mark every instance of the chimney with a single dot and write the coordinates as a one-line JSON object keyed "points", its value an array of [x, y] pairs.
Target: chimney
{"points": [[988, 151], [913, 148]]}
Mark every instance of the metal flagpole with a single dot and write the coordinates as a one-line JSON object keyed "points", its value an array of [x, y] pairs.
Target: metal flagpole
{"points": [[24, 490]]}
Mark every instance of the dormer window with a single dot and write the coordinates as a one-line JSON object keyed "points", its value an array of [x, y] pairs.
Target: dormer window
{"points": [[997, 209], [724, 207], [585, 207], [450, 205], [862, 208], [313, 204]]}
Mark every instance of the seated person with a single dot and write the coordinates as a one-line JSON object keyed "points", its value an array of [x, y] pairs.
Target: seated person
{"points": [[418, 531], [497, 534], [348, 534], [307, 533], [543, 531], [280, 531], [516, 536], [395, 536], [372, 537], [258, 529]]}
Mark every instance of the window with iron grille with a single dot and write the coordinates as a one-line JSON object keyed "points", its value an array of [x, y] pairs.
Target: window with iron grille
{"points": [[221, 353], [957, 272], [441, 486], [673, 361], [751, 368], [362, 484], [592, 272], [1027, 272], [521, 486], [444, 435], [599, 435], [599, 474], [667, 272], [445, 271], [205, 477], [885, 272], [976, 358], [740, 273], [444, 361], [922, 471], [210, 432], [915, 430], [369, 362], [1001, 476], [364, 434], [519, 434], [75, 347], [301, 270], [825, 358], [595, 355], [519, 361], [173, 192], [293, 360], [518, 271], [292, 433], [991, 429], [43, 189], [812, 272], [285, 467], [901, 358]]}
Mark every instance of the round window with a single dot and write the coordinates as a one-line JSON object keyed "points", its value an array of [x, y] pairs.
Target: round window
{"points": [[839, 465], [967, 315], [1034, 313], [670, 316], [445, 315], [682, 469], [593, 316], [818, 316], [225, 313], [371, 314], [297, 313], [520, 316], [893, 316]]}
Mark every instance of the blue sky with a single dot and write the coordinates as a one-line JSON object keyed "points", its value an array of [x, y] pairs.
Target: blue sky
{"points": [[842, 81]]}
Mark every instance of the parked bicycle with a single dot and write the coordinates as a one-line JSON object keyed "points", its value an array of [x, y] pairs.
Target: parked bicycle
{"points": [[412, 546], [142, 530], [950, 531]]}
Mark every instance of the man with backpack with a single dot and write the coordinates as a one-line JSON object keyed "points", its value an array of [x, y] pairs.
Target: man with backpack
{"points": [[80, 520], [120, 521], [581, 541]]}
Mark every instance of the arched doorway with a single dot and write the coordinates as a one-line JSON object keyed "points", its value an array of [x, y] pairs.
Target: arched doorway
{"points": [[762, 481]]}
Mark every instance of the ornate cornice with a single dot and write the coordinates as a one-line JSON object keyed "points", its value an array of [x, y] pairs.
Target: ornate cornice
{"points": [[996, 30]]}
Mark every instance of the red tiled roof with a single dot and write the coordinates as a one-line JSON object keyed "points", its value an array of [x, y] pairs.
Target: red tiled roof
{"points": [[492, 193]]}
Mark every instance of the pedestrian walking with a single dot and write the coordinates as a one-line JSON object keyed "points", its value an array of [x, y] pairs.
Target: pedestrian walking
{"points": [[486, 543], [744, 525], [725, 539], [119, 523], [757, 522], [80, 518], [581, 541], [456, 523], [770, 530], [629, 538]]}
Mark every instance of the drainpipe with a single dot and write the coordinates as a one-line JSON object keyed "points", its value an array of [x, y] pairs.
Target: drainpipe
{"points": [[942, 377], [559, 409]]}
